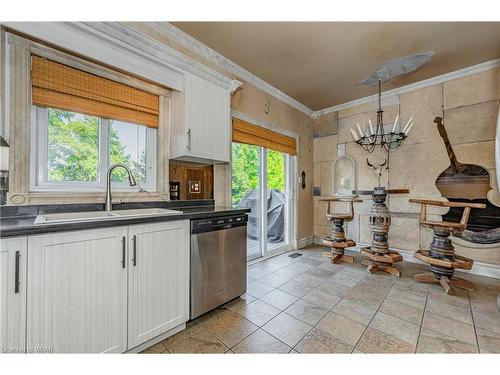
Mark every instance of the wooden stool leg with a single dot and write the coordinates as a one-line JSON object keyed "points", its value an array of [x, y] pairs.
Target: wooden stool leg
{"points": [[426, 277], [336, 258], [446, 284], [462, 284], [347, 258], [391, 270]]}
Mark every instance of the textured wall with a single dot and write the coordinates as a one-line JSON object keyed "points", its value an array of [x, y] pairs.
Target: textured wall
{"points": [[471, 106]]}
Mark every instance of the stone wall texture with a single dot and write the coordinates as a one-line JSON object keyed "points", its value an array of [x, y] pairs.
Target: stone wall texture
{"points": [[471, 107]]}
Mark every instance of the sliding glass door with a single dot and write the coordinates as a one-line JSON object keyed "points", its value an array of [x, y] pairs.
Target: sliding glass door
{"points": [[261, 181]]}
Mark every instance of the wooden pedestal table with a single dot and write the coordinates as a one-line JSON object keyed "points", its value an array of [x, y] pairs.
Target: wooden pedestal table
{"points": [[441, 256], [337, 240], [378, 257]]}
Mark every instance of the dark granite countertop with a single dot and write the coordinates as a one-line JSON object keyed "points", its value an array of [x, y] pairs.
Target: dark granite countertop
{"points": [[19, 221]]}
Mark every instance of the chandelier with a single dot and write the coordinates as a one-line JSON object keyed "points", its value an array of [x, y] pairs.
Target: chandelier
{"points": [[372, 136]]}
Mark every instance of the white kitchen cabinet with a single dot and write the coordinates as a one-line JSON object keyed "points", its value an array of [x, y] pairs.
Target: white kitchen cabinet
{"points": [[200, 126], [13, 295], [158, 279], [77, 291]]}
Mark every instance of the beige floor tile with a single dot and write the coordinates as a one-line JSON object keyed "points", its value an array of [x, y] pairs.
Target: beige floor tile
{"points": [[460, 299], [486, 321], [232, 329], [201, 342], [257, 273], [257, 289], [319, 342], [374, 341], [462, 314], [238, 303], [274, 280], [309, 280], [215, 315], [258, 312], [307, 311], [279, 299], [158, 348], [334, 287], [288, 272], [261, 342], [365, 297], [489, 341], [356, 311], [347, 277], [409, 285], [438, 343], [182, 335], [485, 303], [403, 311], [322, 299], [321, 273], [449, 327], [310, 261], [287, 329], [397, 328], [295, 288], [408, 298], [342, 328]]}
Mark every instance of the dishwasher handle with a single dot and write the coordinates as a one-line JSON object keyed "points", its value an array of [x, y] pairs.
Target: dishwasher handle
{"points": [[215, 224]]}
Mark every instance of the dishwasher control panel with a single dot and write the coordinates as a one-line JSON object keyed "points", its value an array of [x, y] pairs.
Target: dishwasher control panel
{"points": [[217, 223]]}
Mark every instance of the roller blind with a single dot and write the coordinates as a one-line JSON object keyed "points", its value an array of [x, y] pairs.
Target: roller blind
{"points": [[59, 86], [244, 132]]}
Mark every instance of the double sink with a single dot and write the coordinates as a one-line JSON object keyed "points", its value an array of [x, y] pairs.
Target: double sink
{"points": [[72, 217]]}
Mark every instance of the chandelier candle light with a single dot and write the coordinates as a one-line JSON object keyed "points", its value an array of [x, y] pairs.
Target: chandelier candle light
{"points": [[371, 137]]}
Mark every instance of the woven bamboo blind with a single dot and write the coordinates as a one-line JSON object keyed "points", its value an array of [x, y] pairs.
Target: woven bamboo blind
{"points": [[244, 132], [59, 86]]}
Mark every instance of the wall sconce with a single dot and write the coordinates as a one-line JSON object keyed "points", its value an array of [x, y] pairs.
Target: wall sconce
{"points": [[4, 170]]}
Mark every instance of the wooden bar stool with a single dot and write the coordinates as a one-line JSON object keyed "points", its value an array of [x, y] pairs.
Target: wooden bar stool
{"points": [[441, 255], [337, 240]]}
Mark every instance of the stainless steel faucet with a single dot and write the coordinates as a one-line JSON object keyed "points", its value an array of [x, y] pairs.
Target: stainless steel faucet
{"points": [[131, 180]]}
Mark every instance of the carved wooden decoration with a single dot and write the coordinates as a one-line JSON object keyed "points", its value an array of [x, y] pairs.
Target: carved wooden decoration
{"points": [[337, 240], [441, 256]]}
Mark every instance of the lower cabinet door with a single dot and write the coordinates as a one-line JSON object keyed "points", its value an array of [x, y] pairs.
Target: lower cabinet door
{"points": [[158, 279], [13, 295], [77, 292]]}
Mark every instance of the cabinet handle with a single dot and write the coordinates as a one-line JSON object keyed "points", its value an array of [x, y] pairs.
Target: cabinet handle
{"points": [[123, 251], [16, 273], [134, 258], [189, 139]]}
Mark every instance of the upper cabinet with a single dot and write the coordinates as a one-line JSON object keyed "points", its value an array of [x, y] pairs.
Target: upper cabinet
{"points": [[200, 126]]}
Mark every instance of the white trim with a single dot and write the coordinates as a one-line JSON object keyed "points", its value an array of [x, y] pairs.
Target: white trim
{"points": [[474, 69], [39, 154], [124, 48], [306, 241], [168, 30]]}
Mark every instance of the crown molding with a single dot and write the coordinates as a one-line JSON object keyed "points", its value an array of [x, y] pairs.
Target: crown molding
{"points": [[474, 69], [123, 47], [173, 33]]}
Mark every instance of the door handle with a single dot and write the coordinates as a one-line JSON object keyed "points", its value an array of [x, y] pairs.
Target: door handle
{"points": [[16, 272], [123, 251], [134, 256], [189, 139]]}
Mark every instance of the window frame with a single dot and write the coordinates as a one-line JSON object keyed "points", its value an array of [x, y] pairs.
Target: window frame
{"points": [[39, 161]]}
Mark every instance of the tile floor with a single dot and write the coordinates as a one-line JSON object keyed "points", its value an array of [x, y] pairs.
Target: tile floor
{"points": [[308, 305]]}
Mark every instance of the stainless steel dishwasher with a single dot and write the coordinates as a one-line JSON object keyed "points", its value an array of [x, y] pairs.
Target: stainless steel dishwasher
{"points": [[218, 262]]}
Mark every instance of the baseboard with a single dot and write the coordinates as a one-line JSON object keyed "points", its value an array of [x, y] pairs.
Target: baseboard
{"points": [[306, 241], [479, 268]]}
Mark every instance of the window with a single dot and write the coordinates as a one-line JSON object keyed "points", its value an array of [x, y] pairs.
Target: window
{"points": [[73, 152]]}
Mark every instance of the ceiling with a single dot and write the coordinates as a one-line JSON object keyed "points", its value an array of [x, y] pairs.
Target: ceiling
{"points": [[320, 63]]}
